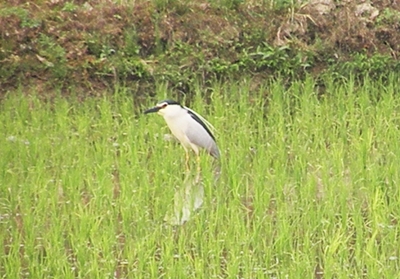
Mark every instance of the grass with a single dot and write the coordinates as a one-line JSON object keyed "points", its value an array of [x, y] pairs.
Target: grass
{"points": [[309, 186]]}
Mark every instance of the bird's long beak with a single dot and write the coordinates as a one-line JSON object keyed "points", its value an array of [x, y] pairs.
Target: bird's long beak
{"points": [[151, 110]]}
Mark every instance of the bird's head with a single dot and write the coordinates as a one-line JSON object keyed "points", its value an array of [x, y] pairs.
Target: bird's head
{"points": [[165, 107]]}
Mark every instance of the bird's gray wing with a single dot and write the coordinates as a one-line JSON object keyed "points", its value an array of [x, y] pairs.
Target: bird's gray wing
{"points": [[200, 120], [202, 136]]}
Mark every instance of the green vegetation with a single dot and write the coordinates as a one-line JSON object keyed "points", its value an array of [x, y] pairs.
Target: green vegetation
{"points": [[308, 186], [101, 44], [306, 105]]}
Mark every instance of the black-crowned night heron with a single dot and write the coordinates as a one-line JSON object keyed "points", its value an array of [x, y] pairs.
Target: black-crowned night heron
{"points": [[192, 130]]}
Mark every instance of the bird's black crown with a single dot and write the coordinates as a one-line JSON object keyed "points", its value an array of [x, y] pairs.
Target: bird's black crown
{"points": [[170, 102]]}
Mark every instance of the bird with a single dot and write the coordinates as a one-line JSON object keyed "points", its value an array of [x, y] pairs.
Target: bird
{"points": [[190, 128]]}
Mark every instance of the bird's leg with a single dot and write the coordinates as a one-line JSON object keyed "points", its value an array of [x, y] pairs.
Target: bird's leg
{"points": [[187, 161], [198, 168], [198, 163]]}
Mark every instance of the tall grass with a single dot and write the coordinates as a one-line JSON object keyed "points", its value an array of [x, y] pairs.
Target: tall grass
{"points": [[309, 186]]}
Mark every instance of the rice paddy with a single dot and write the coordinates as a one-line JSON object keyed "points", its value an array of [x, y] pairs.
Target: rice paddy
{"points": [[308, 185]]}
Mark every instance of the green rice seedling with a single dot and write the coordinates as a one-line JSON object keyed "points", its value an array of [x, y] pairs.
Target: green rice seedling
{"points": [[308, 185]]}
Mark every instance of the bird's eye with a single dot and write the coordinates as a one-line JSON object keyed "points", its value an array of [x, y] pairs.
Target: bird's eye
{"points": [[164, 105]]}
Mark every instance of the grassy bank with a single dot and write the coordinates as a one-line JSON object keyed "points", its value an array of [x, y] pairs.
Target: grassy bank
{"points": [[87, 47], [309, 186]]}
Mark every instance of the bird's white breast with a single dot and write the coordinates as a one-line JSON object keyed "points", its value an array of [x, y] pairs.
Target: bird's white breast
{"points": [[177, 120]]}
